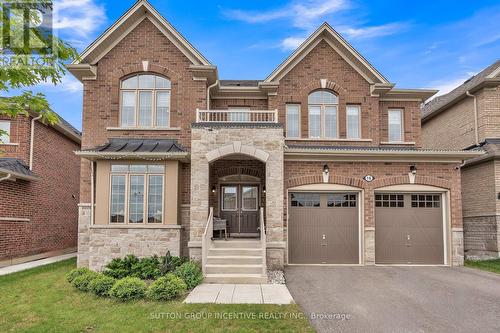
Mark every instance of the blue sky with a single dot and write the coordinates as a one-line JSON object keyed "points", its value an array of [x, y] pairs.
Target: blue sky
{"points": [[425, 44]]}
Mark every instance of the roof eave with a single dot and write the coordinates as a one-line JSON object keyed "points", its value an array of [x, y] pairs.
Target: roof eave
{"points": [[16, 175], [97, 155]]}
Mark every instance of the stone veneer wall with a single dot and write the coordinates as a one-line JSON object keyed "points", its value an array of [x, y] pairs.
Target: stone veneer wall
{"points": [[98, 245], [263, 143], [482, 237]]}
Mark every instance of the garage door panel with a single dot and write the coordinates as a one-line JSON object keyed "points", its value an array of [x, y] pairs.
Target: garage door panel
{"points": [[412, 234], [328, 234]]}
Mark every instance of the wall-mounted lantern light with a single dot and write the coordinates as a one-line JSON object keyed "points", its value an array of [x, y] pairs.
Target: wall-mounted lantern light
{"points": [[263, 189], [326, 173], [213, 189]]}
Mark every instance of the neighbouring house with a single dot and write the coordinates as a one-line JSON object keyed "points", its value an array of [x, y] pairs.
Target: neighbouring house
{"points": [[319, 163], [39, 189], [468, 118]]}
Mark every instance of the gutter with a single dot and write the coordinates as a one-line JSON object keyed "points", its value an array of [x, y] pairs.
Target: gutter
{"points": [[6, 177], [32, 139], [476, 128]]}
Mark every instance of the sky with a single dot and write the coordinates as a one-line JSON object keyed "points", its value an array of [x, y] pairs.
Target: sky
{"points": [[426, 44]]}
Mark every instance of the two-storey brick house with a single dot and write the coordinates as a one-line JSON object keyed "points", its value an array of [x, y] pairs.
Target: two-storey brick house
{"points": [[39, 189], [468, 118], [319, 163]]}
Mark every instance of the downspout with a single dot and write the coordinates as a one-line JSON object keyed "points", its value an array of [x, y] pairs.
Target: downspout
{"points": [[208, 93], [32, 139], [6, 177], [476, 129], [92, 192]]}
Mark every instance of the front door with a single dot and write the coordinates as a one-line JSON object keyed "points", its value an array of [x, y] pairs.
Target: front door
{"points": [[240, 207]]}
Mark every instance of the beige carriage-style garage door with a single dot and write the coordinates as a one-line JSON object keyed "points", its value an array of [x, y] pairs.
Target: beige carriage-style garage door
{"points": [[323, 228], [409, 228]]}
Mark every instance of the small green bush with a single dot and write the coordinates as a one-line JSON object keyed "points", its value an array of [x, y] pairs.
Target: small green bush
{"points": [[101, 285], [147, 268], [128, 288], [119, 268], [166, 288], [76, 272], [191, 273], [169, 263], [82, 282]]}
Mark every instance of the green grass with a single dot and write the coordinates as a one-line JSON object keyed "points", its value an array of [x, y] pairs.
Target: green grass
{"points": [[40, 300], [492, 265]]}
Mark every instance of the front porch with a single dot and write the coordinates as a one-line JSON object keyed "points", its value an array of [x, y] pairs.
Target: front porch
{"points": [[237, 176]]}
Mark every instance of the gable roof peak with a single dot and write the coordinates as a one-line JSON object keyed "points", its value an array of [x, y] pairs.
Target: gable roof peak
{"points": [[326, 32]]}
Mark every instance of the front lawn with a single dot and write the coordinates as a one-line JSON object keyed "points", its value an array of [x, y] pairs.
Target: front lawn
{"points": [[41, 300], [492, 265]]}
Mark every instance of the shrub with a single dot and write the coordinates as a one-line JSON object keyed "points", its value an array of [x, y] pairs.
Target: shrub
{"points": [[147, 268], [170, 263], [191, 273], [120, 268], [128, 288], [76, 272], [82, 282], [101, 285], [166, 288]]}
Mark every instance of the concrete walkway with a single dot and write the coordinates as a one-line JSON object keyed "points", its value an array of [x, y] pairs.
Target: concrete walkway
{"points": [[240, 294], [35, 263]]}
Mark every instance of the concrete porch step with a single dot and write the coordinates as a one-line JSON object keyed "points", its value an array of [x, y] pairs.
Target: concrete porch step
{"points": [[235, 260], [236, 243], [233, 269], [236, 278], [237, 251]]}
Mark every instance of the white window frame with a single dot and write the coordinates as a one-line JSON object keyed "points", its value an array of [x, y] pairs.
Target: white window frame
{"points": [[402, 130], [298, 120], [127, 175], [357, 106], [323, 107], [5, 139], [154, 91]]}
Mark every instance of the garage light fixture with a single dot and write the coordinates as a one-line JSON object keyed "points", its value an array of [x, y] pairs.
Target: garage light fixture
{"points": [[326, 169], [326, 173], [413, 169]]}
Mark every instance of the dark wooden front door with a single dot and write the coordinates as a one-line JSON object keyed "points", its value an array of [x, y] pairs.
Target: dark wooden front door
{"points": [[240, 207]]}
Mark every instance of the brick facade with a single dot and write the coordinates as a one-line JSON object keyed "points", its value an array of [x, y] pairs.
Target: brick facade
{"points": [[40, 216]]}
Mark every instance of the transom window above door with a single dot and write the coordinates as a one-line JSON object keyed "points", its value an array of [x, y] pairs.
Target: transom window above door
{"points": [[323, 106], [145, 101]]}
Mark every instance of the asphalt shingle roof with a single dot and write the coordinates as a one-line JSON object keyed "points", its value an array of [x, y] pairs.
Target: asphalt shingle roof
{"points": [[16, 166], [435, 104]]}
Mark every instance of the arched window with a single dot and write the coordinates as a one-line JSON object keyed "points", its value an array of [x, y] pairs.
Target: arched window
{"points": [[145, 101], [323, 106]]}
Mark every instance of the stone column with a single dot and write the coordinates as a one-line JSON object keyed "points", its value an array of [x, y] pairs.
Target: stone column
{"points": [[457, 246], [84, 220], [369, 242]]}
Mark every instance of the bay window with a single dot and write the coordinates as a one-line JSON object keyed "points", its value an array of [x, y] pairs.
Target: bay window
{"points": [[136, 194], [145, 101], [323, 106]]}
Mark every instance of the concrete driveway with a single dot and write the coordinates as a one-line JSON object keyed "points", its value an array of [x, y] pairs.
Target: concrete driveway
{"points": [[397, 299]]}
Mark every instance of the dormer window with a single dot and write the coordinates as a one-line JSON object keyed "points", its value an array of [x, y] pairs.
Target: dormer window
{"points": [[323, 106], [145, 101]]}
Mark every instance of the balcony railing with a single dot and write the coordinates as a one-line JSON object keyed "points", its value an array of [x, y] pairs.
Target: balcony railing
{"points": [[236, 116]]}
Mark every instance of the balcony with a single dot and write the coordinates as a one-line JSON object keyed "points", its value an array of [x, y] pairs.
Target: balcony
{"points": [[237, 116]]}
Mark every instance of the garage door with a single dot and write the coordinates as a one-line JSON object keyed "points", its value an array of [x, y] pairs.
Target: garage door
{"points": [[408, 228], [323, 228]]}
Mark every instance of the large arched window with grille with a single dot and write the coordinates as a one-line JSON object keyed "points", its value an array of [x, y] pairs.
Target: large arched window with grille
{"points": [[145, 101], [323, 107]]}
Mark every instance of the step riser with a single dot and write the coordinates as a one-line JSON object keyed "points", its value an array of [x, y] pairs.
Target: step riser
{"points": [[236, 280], [234, 270], [235, 252], [236, 244], [234, 261]]}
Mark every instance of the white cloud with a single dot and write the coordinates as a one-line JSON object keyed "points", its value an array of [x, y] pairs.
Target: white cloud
{"points": [[68, 84], [373, 31], [78, 17], [447, 85], [291, 43]]}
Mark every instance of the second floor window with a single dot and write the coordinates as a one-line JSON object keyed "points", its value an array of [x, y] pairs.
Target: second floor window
{"points": [[395, 126], [145, 101], [322, 106], [292, 120], [4, 131], [353, 116]]}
